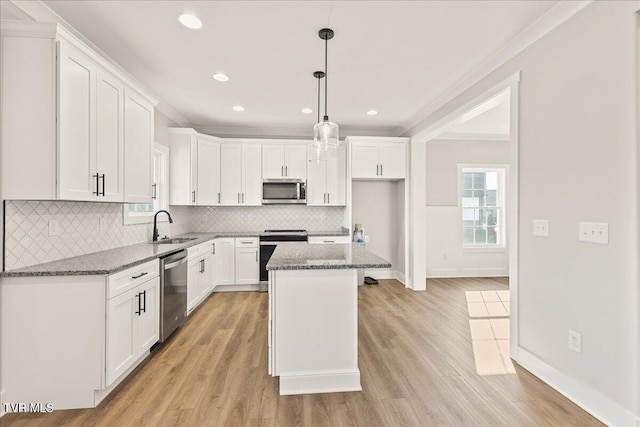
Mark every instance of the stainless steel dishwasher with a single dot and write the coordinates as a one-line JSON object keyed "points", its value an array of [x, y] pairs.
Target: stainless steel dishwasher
{"points": [[173, 293]]}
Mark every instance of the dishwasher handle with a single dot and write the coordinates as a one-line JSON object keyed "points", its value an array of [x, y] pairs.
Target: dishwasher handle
{"points": [[174, 260]]}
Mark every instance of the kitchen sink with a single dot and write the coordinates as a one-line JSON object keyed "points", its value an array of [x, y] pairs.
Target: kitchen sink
{"points": [[174, 241]]}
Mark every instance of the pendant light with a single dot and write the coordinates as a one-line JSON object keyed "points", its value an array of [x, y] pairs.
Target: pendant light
{"points": [[318, 75], [325, 133]]}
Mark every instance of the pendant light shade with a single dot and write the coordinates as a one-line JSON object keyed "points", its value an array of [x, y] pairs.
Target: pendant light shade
{"points": [[325, 133]]}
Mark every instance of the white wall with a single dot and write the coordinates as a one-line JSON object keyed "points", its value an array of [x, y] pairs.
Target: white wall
{"points": [[445, 255], [578, 162], [380, 209]]}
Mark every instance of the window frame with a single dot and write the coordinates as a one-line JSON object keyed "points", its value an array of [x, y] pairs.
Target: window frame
{"points": [[162, 188], [503, 171]]}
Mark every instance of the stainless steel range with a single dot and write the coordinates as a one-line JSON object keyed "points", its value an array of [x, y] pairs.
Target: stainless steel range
{"points": [[269, 240]]}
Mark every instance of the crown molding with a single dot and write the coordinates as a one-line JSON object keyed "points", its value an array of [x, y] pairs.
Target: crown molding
{"points": [[173, 115], [554, 17], [286, 132]]}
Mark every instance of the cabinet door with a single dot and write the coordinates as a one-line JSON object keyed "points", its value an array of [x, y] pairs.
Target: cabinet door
{"points": [[364, 160], [316, 179], [183, 152], [138, 148], [110, 137], [208, 173], [230, 174], [252, 175], [337, 177], [76, 126], [122, 339], [272, 161], [393, 160], [225, 261], [247, 266], [149, 318], [206, 284], [295, 161], [194, 271]]}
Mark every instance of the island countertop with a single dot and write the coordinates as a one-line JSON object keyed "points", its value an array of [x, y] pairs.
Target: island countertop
{"points": [[302, 256]]}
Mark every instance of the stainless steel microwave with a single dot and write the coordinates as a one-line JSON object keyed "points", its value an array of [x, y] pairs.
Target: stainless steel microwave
{"points": [[284, 191]]}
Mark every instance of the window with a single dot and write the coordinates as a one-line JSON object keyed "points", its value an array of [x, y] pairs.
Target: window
{"points": [[482, 206], [140, 213]]}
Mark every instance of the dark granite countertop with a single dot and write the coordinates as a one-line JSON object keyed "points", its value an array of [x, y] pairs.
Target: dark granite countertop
{"points": [[114, 260], [301, 256]]}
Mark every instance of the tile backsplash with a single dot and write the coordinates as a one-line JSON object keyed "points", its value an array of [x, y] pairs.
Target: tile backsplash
{"points": [[27, 240], [258, 218]]}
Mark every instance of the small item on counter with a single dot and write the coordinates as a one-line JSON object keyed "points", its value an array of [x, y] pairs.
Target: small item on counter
{"points": [[358, 234]]}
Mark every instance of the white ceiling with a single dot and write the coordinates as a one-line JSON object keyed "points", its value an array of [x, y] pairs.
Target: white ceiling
{"points": [[392, 56]]}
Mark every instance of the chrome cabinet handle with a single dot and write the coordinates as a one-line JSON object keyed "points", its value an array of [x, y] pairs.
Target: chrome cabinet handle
{"points": [[193, 197]]}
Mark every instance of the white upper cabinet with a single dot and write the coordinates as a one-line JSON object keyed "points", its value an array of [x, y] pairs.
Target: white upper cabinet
{"points": [[378, 158], [284, 161], [138, 148], [110, 137], [94, 130], [194, 168], [240, 174], [326, 179]]}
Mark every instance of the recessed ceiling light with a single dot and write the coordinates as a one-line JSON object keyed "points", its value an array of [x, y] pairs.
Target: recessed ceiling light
{"points": [[221, 77], [190, 21], [238, 108], [307, 110], [372, 112]]}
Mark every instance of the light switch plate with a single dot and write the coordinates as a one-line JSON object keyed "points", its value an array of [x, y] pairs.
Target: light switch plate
{"points": [[541, 227], [575, 341], [594, 232]]}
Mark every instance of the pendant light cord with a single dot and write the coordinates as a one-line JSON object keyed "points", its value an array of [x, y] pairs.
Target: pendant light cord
{"points": [[318, 99], [326, 41]]}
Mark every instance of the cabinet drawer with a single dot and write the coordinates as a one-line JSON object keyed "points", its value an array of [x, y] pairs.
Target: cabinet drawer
{"points": [[329, 239], [202, 249], [247, 242], [127, 279]]}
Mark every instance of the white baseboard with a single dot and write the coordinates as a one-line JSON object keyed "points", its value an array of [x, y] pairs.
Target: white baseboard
{"points": [[3, 399], [320, 383], [589, 399], [400, 278], [236, 288], [443, 273]]}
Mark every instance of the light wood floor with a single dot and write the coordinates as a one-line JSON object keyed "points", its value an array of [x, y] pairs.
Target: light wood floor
{"points": [[416, 362]]}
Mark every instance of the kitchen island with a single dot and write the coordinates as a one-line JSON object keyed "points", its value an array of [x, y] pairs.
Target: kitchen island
{"points": [[313, 316]]}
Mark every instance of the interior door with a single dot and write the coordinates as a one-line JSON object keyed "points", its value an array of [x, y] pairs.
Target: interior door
{"points": [[208, 173], [230, 174], [110, 137]]}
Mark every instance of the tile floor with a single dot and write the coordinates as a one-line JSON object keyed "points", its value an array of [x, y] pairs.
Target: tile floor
{"points": [[489, 325]]}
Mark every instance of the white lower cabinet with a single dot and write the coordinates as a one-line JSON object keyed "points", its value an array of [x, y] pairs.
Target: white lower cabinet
{"points": [[247, 261], [327, 240], [225, 261], [200, 274], [133, 326]]}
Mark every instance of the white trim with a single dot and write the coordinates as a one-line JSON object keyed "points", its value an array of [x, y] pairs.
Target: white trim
{"points": [[99, 395], [444, 273], [589, 399], [400, 278], [309, 383], [289, 132], [474, 136], [3, 397], [557, 15], [236, 288]]}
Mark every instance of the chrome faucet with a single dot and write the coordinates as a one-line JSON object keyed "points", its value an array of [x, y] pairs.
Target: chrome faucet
{"points": [[155, 223]]}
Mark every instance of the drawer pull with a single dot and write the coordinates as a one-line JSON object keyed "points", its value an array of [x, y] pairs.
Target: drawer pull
{"points": [[140, 275]]}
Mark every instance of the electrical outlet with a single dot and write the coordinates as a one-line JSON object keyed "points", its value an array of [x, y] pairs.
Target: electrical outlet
{"points": [[575, 341], [594, 232], [366, 239], [104, 225], [541, 227], [54, 227], [323, 217]]}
